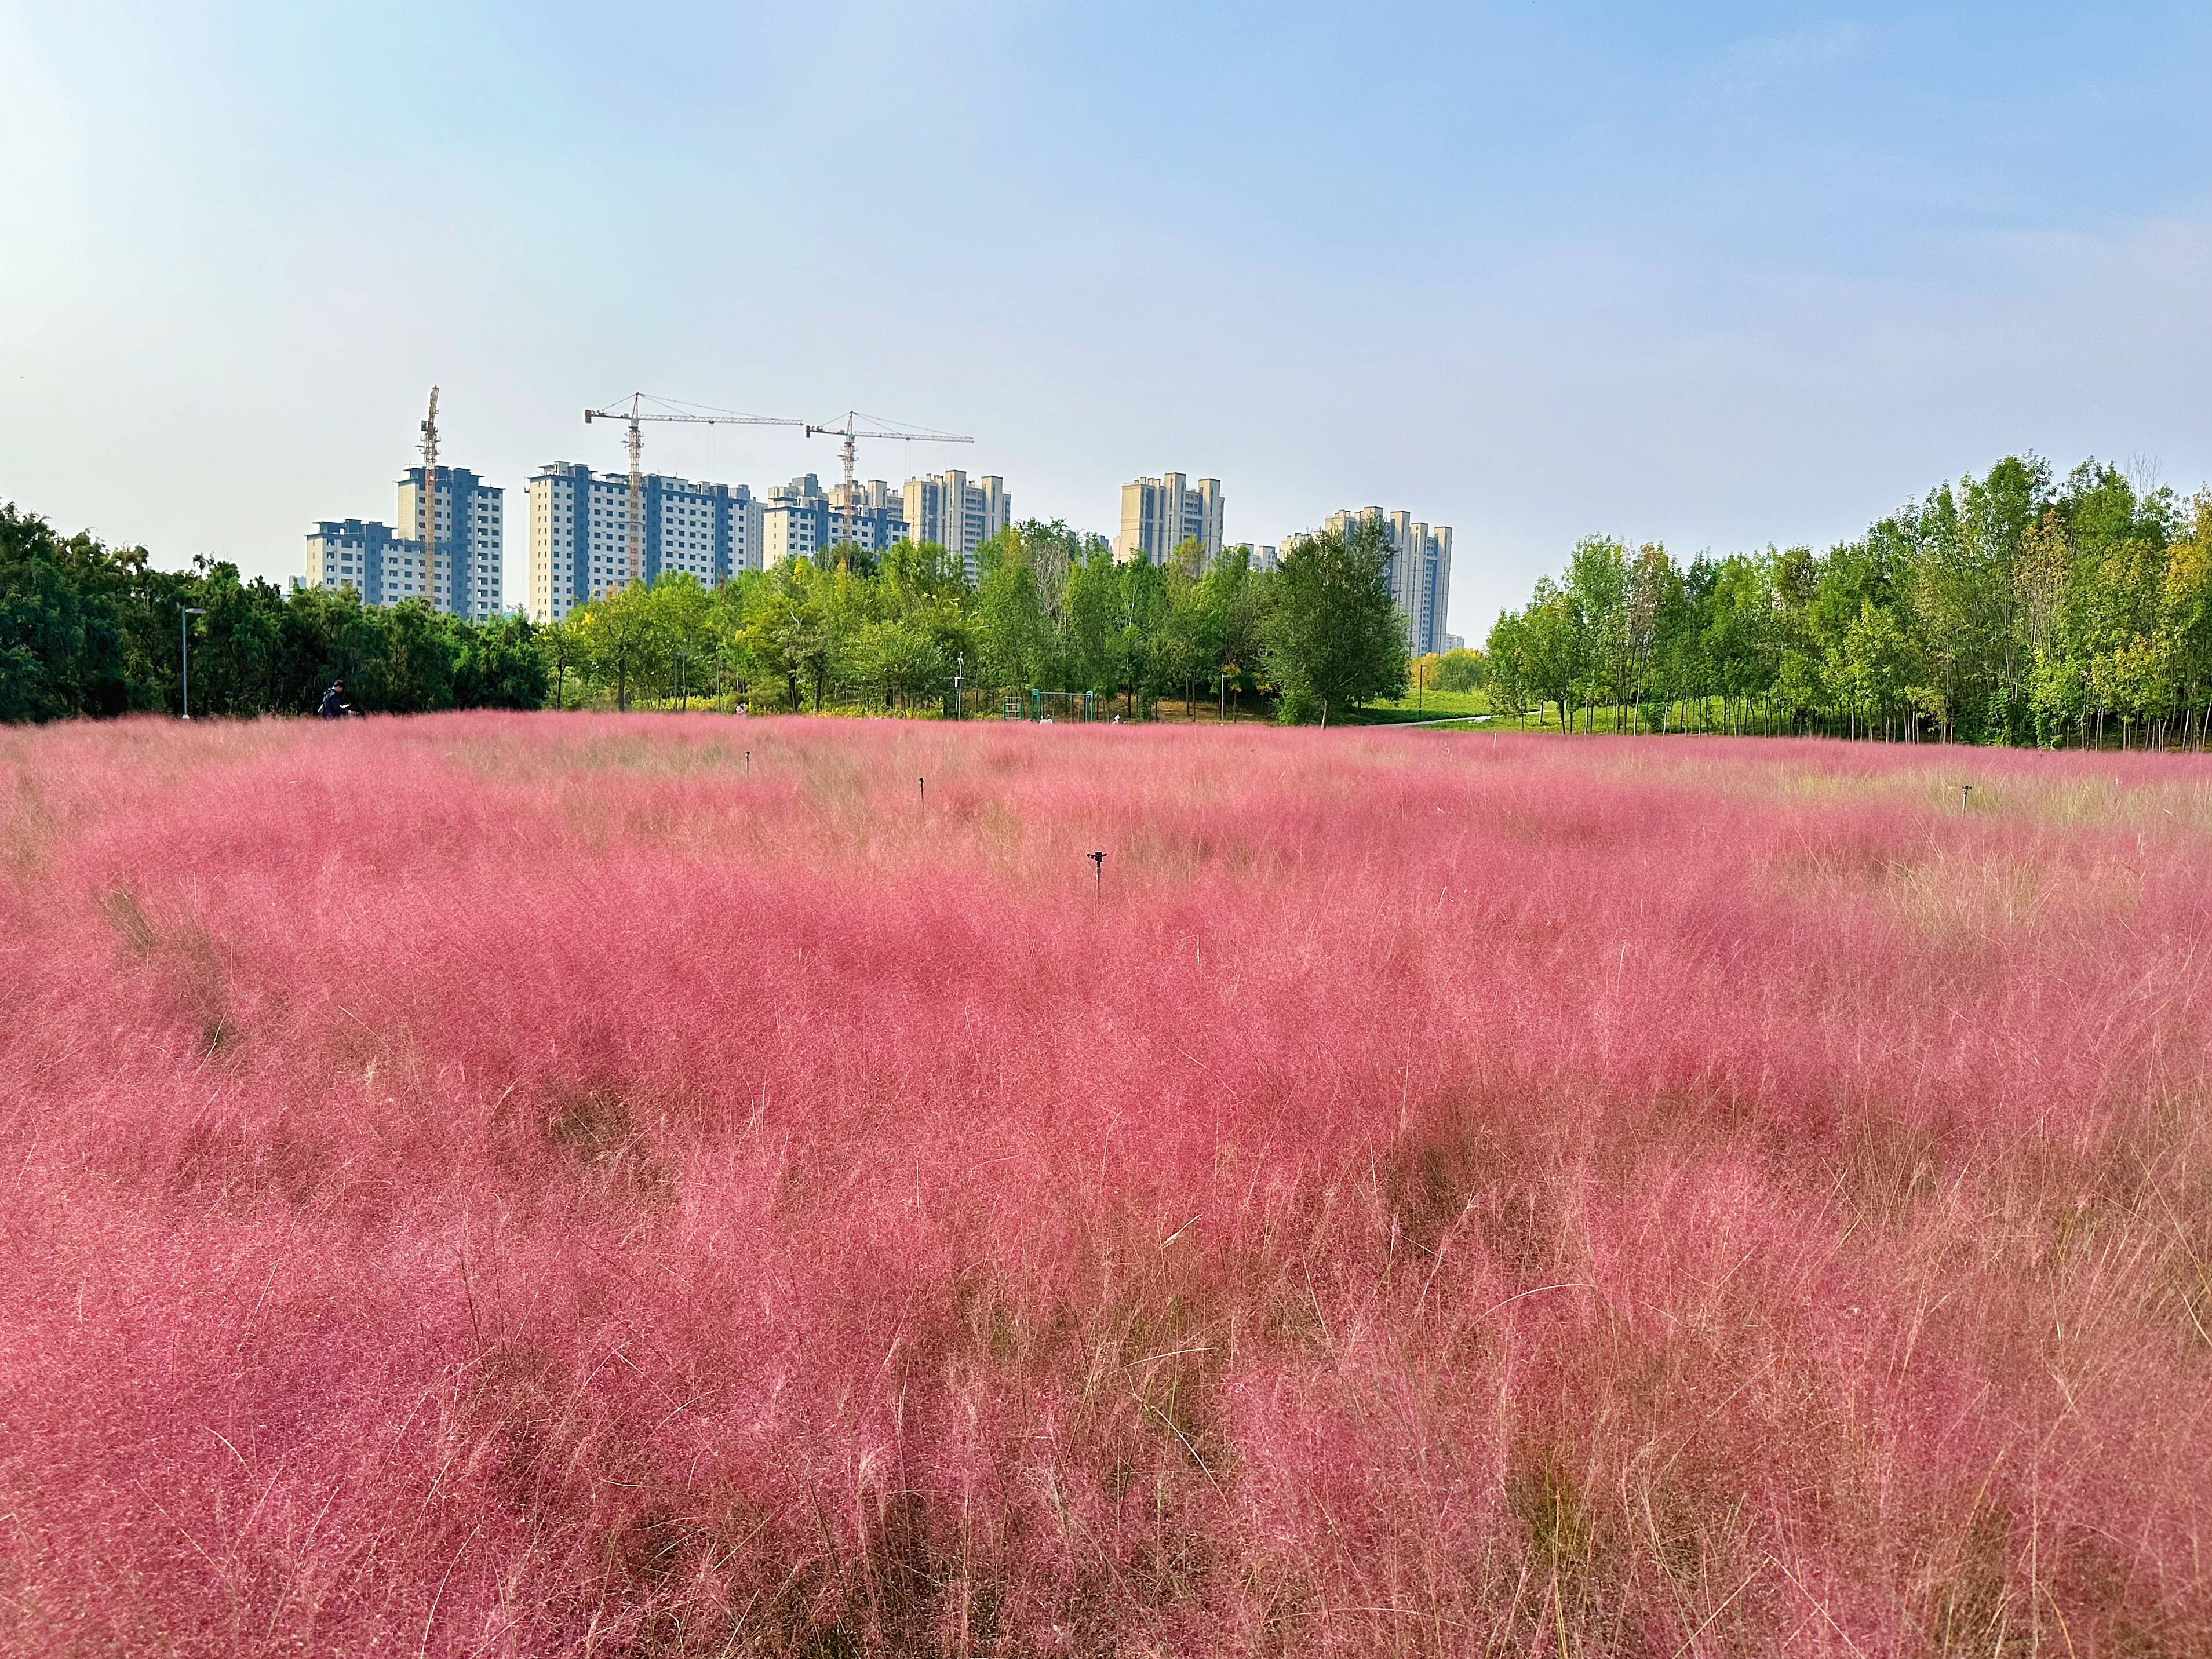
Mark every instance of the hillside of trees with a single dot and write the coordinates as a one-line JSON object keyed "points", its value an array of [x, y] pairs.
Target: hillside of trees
{"points": [[90, 630], [2013, 608]]}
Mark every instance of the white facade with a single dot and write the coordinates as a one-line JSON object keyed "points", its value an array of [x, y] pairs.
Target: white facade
{"points": [[365, 557], [958, 516], [580, 533], [1160, 514], [470, 540], [1419, 570], [385, 566], [800, 520]]}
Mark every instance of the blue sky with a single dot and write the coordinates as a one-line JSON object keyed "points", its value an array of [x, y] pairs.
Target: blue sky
{"points": [[1715, 275]]}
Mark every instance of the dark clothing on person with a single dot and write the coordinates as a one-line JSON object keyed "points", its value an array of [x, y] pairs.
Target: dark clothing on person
{"points": [[333, 708]]}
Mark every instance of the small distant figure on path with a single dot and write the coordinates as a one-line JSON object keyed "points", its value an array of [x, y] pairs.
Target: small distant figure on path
{"points": [[334, 705]]}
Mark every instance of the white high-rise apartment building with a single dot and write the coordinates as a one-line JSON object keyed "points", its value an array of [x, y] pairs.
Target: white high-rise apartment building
{"points": [[800, 518], [470, 544], [958, 516], [384, 567], [365, 556], [1419, 570], [580, 533], [1160, 514]]}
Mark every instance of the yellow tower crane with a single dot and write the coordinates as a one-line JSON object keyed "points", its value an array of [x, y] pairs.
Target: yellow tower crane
{"points": [[426, 502], [849, 427], [633, 411]]}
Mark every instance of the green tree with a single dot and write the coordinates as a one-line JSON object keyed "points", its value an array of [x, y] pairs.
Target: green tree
{"points": [[687, 617], [623, 638], [60, 646], [1459, 671], [561, 647], [1330, 636], [500, 664], [1014, 639], [1549, 642], [1597, 583]]}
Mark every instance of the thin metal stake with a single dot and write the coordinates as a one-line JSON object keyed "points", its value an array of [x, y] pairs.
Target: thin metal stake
{"points": [[185, 614], [1965, 791], [1098, 869]]}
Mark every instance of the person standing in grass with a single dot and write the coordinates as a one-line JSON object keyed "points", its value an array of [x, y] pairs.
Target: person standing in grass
{"points": [[334, 705]]}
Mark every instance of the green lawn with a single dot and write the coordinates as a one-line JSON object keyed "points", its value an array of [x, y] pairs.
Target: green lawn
{"points": [[1713, 717], [1430, 705]]}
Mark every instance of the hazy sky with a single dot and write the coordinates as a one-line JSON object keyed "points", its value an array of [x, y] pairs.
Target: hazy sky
{"points": [[1717, 275]]}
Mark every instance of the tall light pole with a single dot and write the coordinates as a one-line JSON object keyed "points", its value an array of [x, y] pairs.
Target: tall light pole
{"points": [[185, 614]]}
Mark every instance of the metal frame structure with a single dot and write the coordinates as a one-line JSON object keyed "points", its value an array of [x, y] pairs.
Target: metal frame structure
{"points": [[671, 411], [847, 428]]}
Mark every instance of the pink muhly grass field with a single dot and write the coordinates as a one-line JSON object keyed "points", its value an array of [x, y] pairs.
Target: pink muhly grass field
{"points": [[500, 1184]]}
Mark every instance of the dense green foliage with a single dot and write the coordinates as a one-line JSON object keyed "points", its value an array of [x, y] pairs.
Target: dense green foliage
{"points": [[89, 630], [1050, 609], [1455, 671], [2013, 608], [1332, 638]]}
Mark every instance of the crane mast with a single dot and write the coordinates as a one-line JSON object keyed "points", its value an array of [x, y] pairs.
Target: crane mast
{"points": [[426, 501], [849, 427], [635, 412], [637, 492]]}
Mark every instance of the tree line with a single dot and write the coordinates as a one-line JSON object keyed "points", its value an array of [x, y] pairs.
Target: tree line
{"points": [[1049, 609], [2015, 608], [86, 630]]}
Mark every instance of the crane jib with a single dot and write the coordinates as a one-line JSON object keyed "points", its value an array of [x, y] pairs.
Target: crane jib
{"points": [[854, 425]]}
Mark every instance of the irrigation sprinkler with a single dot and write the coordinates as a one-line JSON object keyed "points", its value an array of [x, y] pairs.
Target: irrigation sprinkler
{"points": [[1966, 792], [185, 614], [1098, 869], [922, 786], [749, 762]]}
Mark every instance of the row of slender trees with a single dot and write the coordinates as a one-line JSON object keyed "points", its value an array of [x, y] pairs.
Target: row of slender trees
{"points": [[1046, 609], [2012, 608], [89, 630]]}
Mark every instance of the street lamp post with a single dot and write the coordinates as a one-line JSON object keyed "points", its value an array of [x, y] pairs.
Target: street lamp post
{"points": [[185, 614]]}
